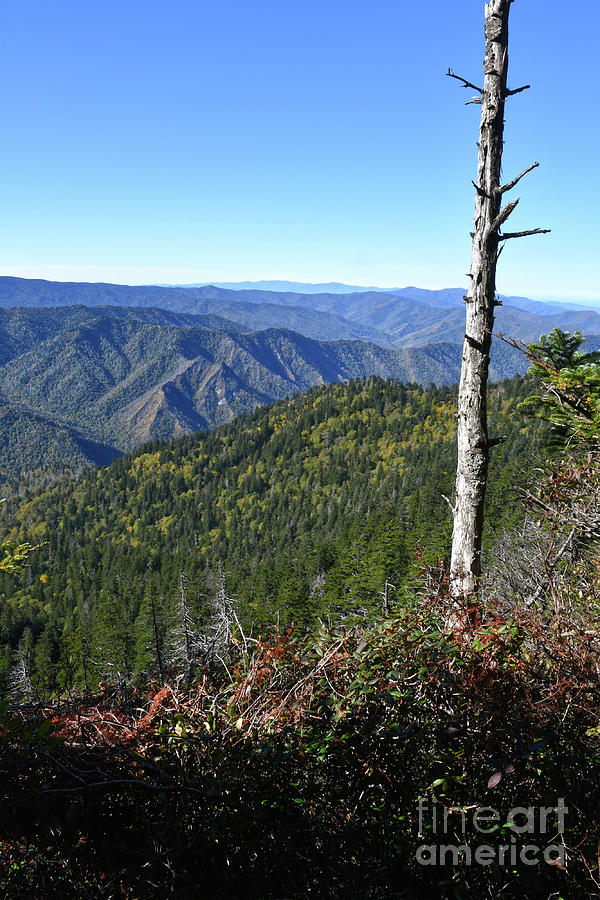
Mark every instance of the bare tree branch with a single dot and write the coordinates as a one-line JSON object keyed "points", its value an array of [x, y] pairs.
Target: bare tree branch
{"points": [[465, 83], [481, 193], [518, 90], [449, 502], [503, 216], [518, 234], [510, 185]]}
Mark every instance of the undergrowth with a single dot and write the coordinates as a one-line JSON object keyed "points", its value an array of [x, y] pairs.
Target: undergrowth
{"points": [[293, 767]]}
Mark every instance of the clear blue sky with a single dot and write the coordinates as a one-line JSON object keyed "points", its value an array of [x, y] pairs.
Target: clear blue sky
{"points": [[194, 141]]}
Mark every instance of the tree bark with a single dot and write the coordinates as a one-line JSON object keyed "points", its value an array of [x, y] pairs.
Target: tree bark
{"points": [[473, 442]]}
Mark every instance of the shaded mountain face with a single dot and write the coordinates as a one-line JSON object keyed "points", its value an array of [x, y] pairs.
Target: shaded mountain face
{"points": [[34, 443], [122, 375]]}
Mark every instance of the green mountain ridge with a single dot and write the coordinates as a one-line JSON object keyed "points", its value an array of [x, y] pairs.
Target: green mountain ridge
{"points": [[33, 443], [122, 375], [310, 505]]}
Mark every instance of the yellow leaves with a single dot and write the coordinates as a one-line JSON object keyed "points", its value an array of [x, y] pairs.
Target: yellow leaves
{"points": [[147, 462], [278, 422], [164, 524]]}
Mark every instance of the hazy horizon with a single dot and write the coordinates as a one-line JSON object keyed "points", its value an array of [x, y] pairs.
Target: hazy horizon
{"points": [[198, 143], [260, 283]]}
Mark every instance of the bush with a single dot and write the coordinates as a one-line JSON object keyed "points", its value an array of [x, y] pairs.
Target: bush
{"points": [[296, 767]]}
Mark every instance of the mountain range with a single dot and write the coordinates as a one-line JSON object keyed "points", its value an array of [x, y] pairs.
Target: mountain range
{"points": [[388, 318], [93, 370], [444, 297], [123, 376]]}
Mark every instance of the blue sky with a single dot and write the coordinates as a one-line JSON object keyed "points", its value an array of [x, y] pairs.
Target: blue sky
{"points": [[315, 141]]}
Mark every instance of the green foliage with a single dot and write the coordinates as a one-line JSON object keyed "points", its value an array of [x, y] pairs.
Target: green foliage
{"points": [[571, 380], [565, 497], [297, 771], [560, 349], [14, 555], [312, 506]]}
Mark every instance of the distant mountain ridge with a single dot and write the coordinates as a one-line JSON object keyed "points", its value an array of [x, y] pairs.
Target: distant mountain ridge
{"points": [[120, 365], [256, 310], [440, 298], [383, 317], [120, 377], [296, 287]]}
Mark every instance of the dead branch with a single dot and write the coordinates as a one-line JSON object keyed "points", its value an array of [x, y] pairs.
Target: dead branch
{"points": [[465, 83], [481, 193], [118, 782], [503, 216], [518, 90], [519, 234], [511, 184], [449, 502]]}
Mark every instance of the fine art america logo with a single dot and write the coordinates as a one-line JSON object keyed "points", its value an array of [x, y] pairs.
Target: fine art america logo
{"points": [[522, 836]]}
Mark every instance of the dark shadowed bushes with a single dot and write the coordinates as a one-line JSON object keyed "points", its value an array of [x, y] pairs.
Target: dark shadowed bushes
{"points": [[294, 767]]}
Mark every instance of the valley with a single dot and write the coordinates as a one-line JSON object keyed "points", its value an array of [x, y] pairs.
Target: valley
{"points": [[106, 368]]}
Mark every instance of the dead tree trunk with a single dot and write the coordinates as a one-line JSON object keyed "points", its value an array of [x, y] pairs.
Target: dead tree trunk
{"points": [[473, 441]]}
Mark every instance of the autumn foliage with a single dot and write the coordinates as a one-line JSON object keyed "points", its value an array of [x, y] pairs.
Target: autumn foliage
{"points": [[293, 767]]}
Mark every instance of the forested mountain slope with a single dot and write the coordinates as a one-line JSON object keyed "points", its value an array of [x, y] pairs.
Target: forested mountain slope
{"points": [[309, 505], [123, 376], [119, 376], [34, 444], [99, 380]]}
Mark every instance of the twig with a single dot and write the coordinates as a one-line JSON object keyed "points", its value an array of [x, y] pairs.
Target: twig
{"points": [[465, 83], [448, 501], [117, 782]]}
